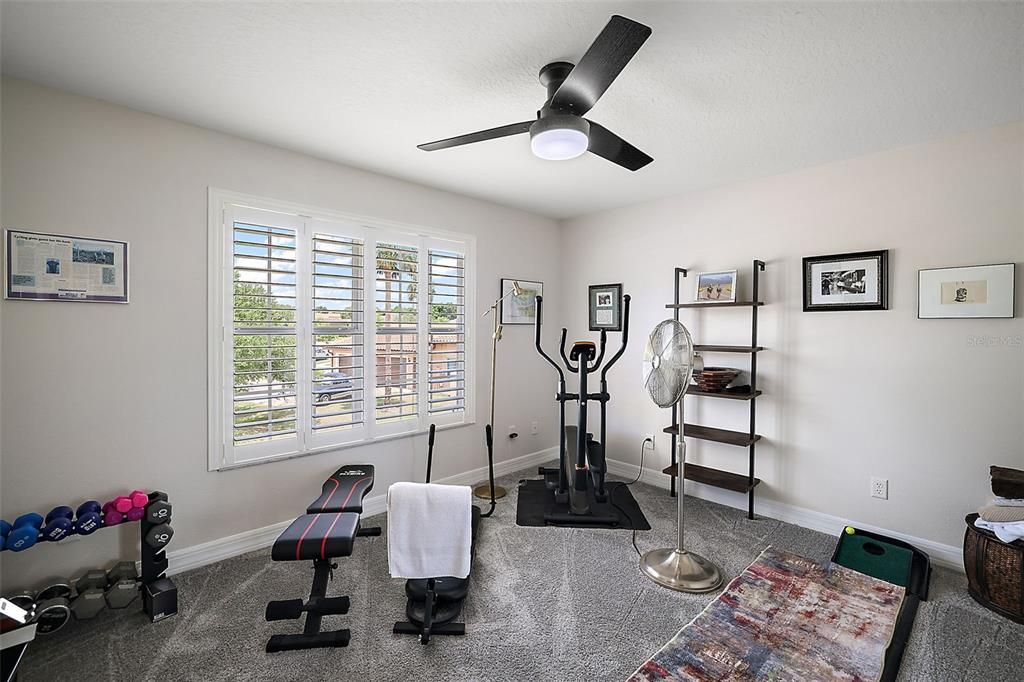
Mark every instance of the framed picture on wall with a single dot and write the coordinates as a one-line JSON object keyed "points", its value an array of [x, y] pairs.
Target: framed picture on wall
{"points": [[521, 309], [971, 291], [716, 287], [847, 281], [55, 267], [605, 307]]}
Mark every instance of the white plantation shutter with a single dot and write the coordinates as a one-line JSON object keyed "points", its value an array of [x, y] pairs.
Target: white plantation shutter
{"points": [[446, 371], [337, 331], [329, 330], [397, 344], [264, 405]]}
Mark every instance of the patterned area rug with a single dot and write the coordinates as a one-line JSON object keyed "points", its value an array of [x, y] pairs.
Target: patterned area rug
{"points": [[785, 618]]}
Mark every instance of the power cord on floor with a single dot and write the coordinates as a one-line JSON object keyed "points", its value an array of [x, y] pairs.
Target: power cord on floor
{"points": [[611, 494]]}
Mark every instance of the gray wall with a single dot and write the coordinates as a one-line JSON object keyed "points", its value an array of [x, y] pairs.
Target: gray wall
{"points": [[848, 395], [99, 399]]}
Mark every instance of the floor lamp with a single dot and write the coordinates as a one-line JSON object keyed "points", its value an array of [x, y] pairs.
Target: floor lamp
{"points": [[485, 491]]}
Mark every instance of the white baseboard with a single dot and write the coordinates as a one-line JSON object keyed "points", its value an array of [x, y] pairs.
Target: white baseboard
{"points": [[187, 558], [949, 556]]}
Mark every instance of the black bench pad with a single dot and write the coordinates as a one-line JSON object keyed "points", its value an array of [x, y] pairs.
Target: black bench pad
{"points": [[344, 490], [317, 536]]}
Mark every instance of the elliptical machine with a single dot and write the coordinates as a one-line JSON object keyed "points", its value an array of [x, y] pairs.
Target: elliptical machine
{"points": [[579, 480]]}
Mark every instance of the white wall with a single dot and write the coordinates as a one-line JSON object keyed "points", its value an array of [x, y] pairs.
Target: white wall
{"points": [[100, 399], [847, 395]]}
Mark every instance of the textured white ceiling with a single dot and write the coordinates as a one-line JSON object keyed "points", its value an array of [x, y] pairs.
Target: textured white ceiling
{"points": [[721, 92]]}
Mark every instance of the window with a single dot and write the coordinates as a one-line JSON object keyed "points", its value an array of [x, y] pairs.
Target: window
{"points": [[328, 331]]}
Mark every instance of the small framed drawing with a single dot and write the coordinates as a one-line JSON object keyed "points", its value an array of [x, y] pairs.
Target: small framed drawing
{"points": [[606, 307], [972, 291], [521, 309], [847, 281], [716, 287]]}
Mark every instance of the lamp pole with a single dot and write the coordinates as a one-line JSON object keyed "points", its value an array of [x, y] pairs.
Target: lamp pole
{"points": [[491, 491]]}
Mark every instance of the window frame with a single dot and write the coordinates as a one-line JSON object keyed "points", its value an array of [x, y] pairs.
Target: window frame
{"points": [[224, 206]]}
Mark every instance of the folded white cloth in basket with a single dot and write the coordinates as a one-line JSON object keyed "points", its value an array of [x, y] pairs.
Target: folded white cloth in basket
{"points": [[430, 531], [1006, 532], [1007, 502]]}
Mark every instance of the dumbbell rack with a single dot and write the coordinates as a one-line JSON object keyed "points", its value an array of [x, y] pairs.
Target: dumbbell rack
{"points": [[159, 594]]}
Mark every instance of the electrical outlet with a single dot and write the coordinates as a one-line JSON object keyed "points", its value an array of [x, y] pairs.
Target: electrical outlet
{"points": [[650, 437], [534, 428], [880, 488]]}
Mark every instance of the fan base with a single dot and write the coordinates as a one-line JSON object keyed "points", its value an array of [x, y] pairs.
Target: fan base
{"points": [[680, 570]]}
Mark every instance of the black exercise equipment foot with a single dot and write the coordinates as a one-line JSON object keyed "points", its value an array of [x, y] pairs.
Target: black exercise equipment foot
{"points": [[336, 638]]}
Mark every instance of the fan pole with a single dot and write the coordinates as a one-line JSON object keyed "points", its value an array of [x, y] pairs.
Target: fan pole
{"points": [[674, 567]]}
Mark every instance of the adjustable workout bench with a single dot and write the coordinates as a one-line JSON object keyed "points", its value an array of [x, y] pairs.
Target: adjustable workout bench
{"points": [[326, 531]]}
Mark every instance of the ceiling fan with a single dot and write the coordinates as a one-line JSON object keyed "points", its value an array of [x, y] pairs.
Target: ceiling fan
{"points": [[560, 132]]}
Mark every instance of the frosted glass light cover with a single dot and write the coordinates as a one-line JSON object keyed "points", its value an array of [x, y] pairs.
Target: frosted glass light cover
{"points": [[559, 144]]}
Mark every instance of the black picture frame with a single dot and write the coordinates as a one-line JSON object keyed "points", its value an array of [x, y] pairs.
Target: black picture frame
{"points": [[882, 281], [508, 315], [597, 302]]}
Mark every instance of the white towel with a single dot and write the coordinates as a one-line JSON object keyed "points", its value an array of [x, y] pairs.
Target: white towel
{"points": [[1006, 532], [429, 530], [1007, 502]]}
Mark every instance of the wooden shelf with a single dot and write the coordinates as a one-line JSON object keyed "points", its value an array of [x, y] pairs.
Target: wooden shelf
{"points": [[726, 349], [727, 393], [704, 304], [715, 477], [740, 438]]}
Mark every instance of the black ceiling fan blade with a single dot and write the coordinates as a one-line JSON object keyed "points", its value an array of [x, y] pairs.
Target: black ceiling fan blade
{"points": [[608, 145], [614, 46], [479, 136]]}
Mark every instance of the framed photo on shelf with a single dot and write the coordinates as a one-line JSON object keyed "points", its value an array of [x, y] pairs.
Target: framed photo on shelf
{"points": [[605, 307], [847, 281], [971, 291], [55, 267], [521, 309], [716, 287]]}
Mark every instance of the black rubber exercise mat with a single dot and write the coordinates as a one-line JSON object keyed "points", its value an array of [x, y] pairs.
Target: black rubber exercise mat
{"points": [[536, 500]]}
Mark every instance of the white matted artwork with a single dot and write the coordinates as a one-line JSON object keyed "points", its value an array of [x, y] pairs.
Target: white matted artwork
{"points": [[847, 281], [971, 291], [54, 267], [521, 309]]}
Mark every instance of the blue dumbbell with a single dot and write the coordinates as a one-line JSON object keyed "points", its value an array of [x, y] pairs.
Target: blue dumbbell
{"points": [[59, 523], [25, 532], [5, 528], [88, 518]]}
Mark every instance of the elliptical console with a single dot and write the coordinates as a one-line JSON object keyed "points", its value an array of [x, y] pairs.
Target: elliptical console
{"points": [[579, 481]]}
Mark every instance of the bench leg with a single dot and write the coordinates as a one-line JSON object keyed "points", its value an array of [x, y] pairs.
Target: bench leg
{"points": [[316, 607]]}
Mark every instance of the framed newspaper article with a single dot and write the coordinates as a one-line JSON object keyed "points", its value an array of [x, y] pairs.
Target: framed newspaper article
{"points": [[53, 267]]}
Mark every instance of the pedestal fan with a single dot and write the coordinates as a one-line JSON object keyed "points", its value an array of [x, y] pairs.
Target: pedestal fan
{"points": [[669, 363]]}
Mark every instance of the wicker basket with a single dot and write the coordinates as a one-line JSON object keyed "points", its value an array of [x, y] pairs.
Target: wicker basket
{"points": [[995, 571]]}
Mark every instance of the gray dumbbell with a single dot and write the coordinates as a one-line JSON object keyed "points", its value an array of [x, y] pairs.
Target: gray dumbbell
{"points": [[159, 536], [52, 615], [123, 584], [91, 599], [60, 590]]}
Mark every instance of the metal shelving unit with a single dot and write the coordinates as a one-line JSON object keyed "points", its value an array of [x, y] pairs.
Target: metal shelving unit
{"points": [[707, 475]]}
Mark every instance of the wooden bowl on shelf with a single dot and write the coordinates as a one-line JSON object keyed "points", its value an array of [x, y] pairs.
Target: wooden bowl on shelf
{"points": [[715, 379]]}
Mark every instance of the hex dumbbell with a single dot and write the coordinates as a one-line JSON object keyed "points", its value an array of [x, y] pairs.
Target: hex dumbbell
{"points": [[25, 532], [59, 524], [91, 598], [5, 529], [88, 517], [123, 503], [122, 585], [159, 509], [111, 517], [139, 498], [159, 536]]}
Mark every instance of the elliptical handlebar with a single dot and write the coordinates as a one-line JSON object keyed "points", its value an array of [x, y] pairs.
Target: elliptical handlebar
{"points": [[625, 338], [565, 358], [600, 355], [536, 340]]}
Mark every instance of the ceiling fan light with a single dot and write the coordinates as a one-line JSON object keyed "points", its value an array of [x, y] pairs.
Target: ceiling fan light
{"points": [[557, 138]]}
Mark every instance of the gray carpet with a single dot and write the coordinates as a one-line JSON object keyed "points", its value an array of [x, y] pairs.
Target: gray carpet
{"points": [[546, 604]]}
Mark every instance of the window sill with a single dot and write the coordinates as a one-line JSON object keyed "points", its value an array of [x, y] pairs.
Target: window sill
{"points": [[341, 446]]}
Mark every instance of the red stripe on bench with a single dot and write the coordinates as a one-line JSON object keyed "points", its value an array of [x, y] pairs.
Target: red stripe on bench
{"points": [[323, 544], [298, 545], [337, 483]]}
